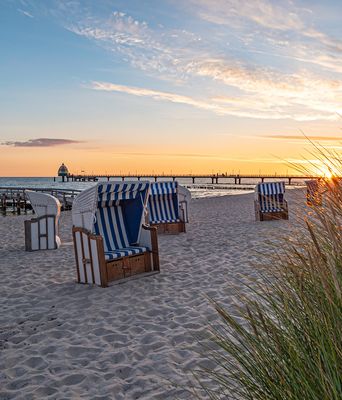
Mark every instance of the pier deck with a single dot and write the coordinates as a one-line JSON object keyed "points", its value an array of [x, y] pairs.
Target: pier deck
{"points": [[237, 179]]}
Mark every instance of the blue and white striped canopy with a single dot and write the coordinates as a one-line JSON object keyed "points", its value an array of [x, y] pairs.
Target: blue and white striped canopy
{"points": [[119, 216], [160, 188], [111, 193], [271, 196], [271, 188], [163, 204]]}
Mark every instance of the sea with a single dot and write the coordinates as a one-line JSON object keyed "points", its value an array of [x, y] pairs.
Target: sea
{"points": [[202, 187]]}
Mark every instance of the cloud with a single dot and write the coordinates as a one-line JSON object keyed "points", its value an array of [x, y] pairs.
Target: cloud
{"points": [[280, 25], [41, 142], [259, 92], [305, 138], [257, 107], [265, 13], [157, 95], [26, 13], [256, 68]]}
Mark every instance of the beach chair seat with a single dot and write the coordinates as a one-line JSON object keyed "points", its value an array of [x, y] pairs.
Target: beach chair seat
{"points": [[124, 252], [111, 241], [41, 232], [269, 201], [168, 207]]}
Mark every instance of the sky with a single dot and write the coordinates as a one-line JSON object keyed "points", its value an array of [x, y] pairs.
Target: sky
{"points": [[168, 86]]}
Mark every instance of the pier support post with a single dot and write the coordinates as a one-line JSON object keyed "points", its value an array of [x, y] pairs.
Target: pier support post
{"points": [[155, 178], [262, 180], [290, 181], [193, 179]]}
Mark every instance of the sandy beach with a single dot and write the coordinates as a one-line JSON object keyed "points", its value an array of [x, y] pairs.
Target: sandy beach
{"points": [[62, 340]]}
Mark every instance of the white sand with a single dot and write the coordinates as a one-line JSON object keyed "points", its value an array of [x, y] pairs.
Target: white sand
{"points": [[62, 340]]}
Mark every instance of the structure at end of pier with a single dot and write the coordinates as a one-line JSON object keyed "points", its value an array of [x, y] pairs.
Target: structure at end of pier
{"points": [[63, 172]]}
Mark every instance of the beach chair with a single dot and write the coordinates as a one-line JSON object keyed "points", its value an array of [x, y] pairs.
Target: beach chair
{"points": [[269, 201], [41, 232], [110, 239], [168, 207], [314, 192]]}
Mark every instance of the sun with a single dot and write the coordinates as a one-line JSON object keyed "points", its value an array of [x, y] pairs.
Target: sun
{"points": [[326, 172]]}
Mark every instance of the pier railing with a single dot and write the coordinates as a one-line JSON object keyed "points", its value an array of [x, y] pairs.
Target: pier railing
{"points": [[213, 178], [13, 198]]}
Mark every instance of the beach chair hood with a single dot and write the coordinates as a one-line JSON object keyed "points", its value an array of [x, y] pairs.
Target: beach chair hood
{"points": [[270, 196], [43, 203], [91, 205], [270, 188], [163, 202]]}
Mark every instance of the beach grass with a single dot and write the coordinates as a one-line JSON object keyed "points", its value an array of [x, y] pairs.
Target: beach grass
{"points": [[285, 341]]}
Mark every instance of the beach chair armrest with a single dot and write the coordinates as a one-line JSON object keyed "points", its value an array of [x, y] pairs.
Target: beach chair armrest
{"points": [[183, 206], [90, 257], [149, 238]]}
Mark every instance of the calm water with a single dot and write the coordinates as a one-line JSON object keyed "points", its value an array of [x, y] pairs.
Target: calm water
{"points": [[202, 187]]}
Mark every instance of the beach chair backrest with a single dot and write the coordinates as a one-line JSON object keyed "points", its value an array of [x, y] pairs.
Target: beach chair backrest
{"points": [[41, 232], [111, 226], [163, 203], [119, 214], [270, 195], [43, 203]]}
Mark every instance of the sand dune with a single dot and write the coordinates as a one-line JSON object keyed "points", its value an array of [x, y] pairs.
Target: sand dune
{"points": [[61, 340]]}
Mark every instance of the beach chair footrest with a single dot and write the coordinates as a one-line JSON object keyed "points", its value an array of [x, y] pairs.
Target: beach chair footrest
{"points": [[128, 266]]}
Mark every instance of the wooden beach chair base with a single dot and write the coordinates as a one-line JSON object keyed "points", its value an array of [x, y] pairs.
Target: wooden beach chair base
{"points": [[270, 216], [93, 268], [170, 228], [40, 233]]}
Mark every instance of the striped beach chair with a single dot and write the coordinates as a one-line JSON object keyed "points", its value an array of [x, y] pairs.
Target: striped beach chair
{"points": [[269, 201], [168, 207], [110, 239], [41, 232]]}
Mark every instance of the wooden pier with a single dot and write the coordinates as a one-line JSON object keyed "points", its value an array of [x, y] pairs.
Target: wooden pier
{"points": [[237, 179], [14, 199]]}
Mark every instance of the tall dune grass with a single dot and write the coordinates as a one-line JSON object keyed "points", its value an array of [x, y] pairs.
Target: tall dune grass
{"points": [[286, 341]]}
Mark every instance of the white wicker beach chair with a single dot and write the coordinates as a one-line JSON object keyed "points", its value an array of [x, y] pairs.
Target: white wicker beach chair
{"points": [[41, 232], [168, 207], [110, 239], [269, 201]]}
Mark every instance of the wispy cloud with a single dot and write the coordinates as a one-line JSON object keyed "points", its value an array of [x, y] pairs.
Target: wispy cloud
{"points": [[282, 26], [305, 138], [263, 92], [41, 142], [240, 107], [157, 95], [26, 13], [233, 71], [265, 13]]}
